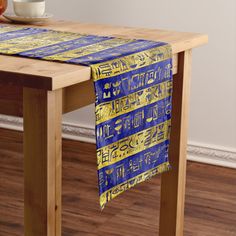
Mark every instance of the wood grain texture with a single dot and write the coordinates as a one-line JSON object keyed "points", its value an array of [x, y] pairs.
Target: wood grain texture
{"points": [[210, 197], [74, 96], [42, 162], [11, 98], [52, 75], [173, 182]]}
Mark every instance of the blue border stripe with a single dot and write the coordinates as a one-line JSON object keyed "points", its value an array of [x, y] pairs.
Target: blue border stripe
{"points": [[42, 52], [126, 81], [21, 33], [156, 113], [111, 173], [116, 52]]}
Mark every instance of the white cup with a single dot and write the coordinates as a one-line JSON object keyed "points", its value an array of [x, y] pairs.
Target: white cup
{"points": [[29, 8]]}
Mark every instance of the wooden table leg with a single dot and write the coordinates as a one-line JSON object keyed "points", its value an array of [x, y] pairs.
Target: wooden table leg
{"points": [[173, 182], [42, 162]]}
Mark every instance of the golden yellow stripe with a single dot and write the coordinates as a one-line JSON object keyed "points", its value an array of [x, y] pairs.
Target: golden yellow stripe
{"points": [[97, 47], [132, 144], [30, 42], [9, 29], [128, 63], [109, 110], [117, 190]]}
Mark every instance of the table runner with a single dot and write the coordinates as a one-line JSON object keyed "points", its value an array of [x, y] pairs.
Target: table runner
{"points": [[133, 86]]}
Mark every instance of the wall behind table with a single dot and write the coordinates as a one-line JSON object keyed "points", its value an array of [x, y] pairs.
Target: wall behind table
{"points": [[213, 88]]}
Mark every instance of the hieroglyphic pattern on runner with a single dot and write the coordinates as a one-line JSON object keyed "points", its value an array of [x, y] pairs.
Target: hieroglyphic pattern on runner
{"points": [[132, 144], [120, 106], [133, 86], [117, 190]]}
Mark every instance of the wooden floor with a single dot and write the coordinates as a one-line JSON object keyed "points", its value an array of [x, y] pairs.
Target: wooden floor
{"points": [[210, 200]]}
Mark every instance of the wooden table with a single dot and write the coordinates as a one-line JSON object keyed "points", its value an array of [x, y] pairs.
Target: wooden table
{"points": [[42, 91]]}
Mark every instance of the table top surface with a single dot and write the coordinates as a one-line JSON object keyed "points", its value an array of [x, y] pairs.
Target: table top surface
{"points": [[53, 75]]}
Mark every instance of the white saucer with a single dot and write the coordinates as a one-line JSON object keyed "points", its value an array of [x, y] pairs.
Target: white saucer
{"points": [[13, 17]]}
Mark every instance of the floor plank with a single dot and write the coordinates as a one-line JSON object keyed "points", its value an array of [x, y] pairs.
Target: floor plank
{"points": [[210, 200]]}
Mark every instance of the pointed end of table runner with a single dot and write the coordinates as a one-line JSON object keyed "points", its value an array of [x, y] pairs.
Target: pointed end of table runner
{"points": [[117, 190]]}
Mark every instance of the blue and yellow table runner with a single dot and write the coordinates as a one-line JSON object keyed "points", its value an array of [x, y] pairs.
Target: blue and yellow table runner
{"points": [[133, 86]]}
